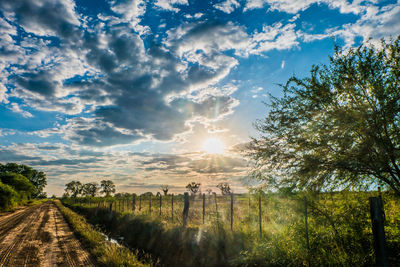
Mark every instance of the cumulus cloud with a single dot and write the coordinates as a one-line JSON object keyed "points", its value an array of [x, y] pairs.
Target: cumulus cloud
{"points": [[294, 6], [227, 6], [17, 109], [170, 5], [43, 17]]}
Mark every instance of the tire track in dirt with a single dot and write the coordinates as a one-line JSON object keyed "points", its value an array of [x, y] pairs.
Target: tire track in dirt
{"points": [[39, 236]]}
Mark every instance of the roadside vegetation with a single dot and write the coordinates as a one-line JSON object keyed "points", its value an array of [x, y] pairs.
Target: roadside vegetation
{"points": [[339, 228], [105, 252], [19, 184]]}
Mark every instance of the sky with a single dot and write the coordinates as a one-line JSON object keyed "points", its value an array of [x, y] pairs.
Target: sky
{"points": [[159, 92]]}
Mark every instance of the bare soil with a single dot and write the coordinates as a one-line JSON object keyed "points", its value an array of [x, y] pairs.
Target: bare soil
{"points": [[39, 236]]}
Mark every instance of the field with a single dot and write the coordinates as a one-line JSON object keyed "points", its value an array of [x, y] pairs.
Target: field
{"points": [[338, 228]]}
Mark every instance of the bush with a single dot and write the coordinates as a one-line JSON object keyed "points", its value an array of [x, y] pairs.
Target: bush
{"points": [[8, 196]]}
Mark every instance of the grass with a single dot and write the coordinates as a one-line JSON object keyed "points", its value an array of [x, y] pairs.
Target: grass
{"points": [[105, 253], [339, 230]]}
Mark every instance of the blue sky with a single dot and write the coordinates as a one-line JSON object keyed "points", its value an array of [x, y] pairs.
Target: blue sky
{"points": [[130, 90]]}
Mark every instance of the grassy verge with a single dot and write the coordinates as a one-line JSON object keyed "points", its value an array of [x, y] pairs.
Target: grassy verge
{"points": [[105, 252]]}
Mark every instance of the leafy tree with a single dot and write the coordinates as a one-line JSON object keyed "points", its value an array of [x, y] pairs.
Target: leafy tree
{"points": [[37, 178], [107, 187], [73, 188], [165, 189], [337, 128], [90, 189], [7, 196], [225, 188], [19, 183], [193, 187]]}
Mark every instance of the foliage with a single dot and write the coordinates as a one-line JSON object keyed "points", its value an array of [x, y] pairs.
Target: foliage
{"points": [[339, 229], [165, 189], [106, 253], [338, 128], [36, 178], [73, 188], [7, 196], [193, 187], [225, 188], [90, 189], [107, 187], [14, 189]]}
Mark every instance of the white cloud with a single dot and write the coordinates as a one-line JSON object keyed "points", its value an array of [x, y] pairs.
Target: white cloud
{"points": [[228, 6], [132, 11], [283, 64], [294, 6], [277, 36], [17, 109], [170, 5]]}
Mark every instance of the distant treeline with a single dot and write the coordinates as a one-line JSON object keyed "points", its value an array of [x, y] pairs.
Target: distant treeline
{"points": [[19, 183]]}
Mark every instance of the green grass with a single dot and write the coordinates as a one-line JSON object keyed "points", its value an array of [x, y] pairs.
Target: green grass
{"points": [[339, 230], [104, 252]]}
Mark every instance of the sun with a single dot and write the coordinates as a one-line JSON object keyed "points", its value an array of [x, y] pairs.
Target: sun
{"points": [[213, 146]]}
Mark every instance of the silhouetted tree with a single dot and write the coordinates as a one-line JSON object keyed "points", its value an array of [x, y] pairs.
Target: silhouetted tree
{"points": [[193, 187], [338, 128], [107, 187], [165, 189], [225, 188], [90, 189], [73, 188]]}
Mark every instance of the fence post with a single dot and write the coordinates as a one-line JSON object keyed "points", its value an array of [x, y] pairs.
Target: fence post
{"points": [[150, 204], [133, 203], [216, 204], [140, 203], [375, 204], [259, 214], [160, 204], [172, 208], [185, 209], [232, 211], [306, 223], [204, 207], [111, 206]]}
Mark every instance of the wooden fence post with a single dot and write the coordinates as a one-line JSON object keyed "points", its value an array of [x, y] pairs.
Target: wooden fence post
{"points": [[133, 203], [259, 214], [216, 204], [185, 209], [160, 204], [231, 211], [375, 204], [140, 203], [111, 206], [306, 223], [172, 207], [204, 207]]}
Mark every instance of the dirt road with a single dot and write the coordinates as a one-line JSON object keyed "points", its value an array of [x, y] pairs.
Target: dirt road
{"points": [[39, 236]]}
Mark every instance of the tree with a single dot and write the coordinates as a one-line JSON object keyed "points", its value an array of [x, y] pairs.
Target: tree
{"points": [[193, 187], [165, 189], [90, 189], [337, 128], [225, 188], [73, 188], [209, 191], [37, 178], [107, 187]]}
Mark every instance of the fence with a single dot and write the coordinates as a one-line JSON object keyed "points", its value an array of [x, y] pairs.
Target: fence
{"points": [[339, 218]]}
